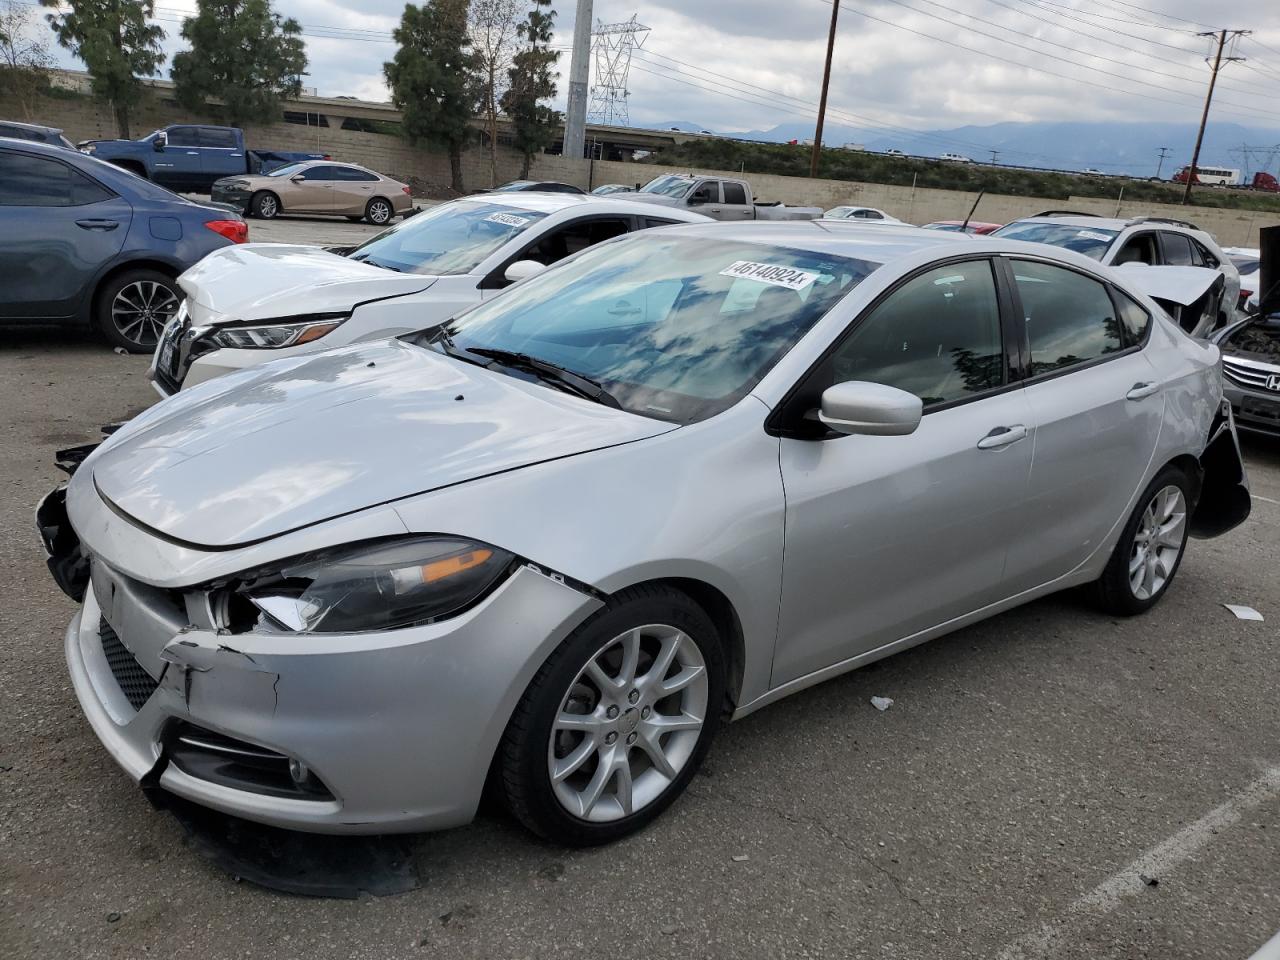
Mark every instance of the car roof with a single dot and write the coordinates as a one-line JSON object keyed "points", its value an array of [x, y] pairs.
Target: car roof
{"points": [[549, 203], [30, 126], [57, 151]]}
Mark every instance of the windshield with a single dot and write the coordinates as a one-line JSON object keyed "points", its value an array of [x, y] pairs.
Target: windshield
{"points": [[287, 170], [838, 213], [675, 327], [452, 238], [668, 186], [1091, 241]]}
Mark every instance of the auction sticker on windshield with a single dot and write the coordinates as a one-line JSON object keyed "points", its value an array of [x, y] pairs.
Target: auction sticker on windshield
{"points": [[774, 274], [1091, 235], [507, 219]]}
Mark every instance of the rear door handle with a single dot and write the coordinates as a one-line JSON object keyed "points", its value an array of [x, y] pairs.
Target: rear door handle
{"points": [[1140, 391], [1002, 437], [97, 224]]}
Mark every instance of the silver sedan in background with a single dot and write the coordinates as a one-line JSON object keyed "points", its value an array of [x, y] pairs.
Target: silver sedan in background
{"points": [[682, 475]]}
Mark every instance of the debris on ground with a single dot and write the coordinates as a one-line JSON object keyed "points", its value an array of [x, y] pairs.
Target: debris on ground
{"points": [[122, 351], [1149, 881], [741, 858], [1242, 612], [882, 703]]}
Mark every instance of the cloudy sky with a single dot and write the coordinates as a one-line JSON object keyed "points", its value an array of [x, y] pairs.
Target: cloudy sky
{"points": [[920, 64]]}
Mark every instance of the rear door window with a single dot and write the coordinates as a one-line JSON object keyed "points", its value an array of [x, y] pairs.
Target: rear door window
{"points": [[27, 181], [734, 192], [217, 137], [1177, 250], [1070, 318], [1140, 248]]}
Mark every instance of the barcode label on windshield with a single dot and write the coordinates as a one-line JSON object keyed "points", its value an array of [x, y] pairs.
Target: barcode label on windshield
{"points": [[1091, 235], [770, 273], [507, 219]]}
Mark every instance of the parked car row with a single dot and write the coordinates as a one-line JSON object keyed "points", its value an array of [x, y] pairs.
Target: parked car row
{"points": [[582, 477]]}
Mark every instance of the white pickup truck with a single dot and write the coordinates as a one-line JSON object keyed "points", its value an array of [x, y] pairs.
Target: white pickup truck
{"points": [[715, 197]]}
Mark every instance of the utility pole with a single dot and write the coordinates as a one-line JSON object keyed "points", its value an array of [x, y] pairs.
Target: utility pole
{"points": [[575, 114], [1221, 37], [1164, 152], [822, 102], [994, 154]]}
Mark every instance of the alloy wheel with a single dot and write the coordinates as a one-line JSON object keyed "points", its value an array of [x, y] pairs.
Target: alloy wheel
{"points": [[268, 208], [379, 211], [628, 723], [1157, 543], [140, 311]]}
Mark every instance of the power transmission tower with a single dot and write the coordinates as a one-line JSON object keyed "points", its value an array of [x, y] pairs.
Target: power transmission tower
{"points": [[1221, 36], [612, 44], [1164, 152]]}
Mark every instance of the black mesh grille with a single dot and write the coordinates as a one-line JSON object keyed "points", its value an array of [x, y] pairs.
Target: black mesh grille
{"points": [[135, 683]]}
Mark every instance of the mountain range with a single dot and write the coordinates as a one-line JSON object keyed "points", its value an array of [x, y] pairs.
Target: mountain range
{"points": [[1129, 148]]}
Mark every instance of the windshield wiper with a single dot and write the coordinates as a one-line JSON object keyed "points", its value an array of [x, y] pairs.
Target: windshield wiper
{"points": [[365, 258], [548, 371]]}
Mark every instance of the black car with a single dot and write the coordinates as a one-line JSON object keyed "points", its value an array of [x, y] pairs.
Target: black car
{"points": [[35, 133], [85, 243], [541, 186]]}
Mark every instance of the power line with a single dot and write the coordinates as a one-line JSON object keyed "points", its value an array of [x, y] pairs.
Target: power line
{"points": [[1049, 6], [1158, 13], [1052, 56]]}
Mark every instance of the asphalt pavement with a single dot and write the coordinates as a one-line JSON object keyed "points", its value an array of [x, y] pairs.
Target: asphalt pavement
{"points": [[1053, 783]]}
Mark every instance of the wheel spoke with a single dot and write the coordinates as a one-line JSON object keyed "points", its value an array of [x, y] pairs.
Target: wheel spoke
{"points": [[576, 758], [681, 680], [590, 794], [630, 658], [127, 296], [622, 779], [662, 724], [662, 662], [606, 683], [1139, 557], [649, 743], [1170, 534], [127, 328], [584, 722], [1149, 575]]}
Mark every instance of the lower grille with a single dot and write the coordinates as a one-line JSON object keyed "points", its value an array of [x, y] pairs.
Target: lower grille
{"points": [[135, 683]]}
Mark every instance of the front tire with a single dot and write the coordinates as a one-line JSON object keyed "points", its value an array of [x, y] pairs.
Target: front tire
{"points": [[379, 212], [617, 721], [265, 205], [133, 307], [1151, 547]]}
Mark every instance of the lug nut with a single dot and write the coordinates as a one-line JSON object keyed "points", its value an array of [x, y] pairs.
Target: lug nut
{"points": [[612, 713], [611, 738], [644, 714], [633, 696], [631, 738]]}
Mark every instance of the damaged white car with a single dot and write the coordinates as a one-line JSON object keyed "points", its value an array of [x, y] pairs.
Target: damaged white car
{"points": [[552, 543], [275, 300]]}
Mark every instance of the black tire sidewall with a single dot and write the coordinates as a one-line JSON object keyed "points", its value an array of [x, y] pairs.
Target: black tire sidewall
{"points": [[255, 205], [524, 754], [106, 296], [1115, 591]]}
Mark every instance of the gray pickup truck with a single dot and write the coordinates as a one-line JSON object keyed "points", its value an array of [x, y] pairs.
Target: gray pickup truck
{"points": [[715, 197]]}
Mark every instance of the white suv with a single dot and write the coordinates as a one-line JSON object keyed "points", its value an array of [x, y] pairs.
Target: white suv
{"points": [[1151, 240]]}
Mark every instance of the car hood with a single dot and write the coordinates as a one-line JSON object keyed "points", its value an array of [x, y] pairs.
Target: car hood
{"points": [[299, 441], [265, 281]]}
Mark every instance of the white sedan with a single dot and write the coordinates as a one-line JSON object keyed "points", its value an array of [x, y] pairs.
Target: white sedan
{"points": [[272, 300], [860, 214]]}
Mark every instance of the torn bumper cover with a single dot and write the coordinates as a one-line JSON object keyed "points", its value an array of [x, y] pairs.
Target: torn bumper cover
{"points": [[361, 733], [1224, 502]]}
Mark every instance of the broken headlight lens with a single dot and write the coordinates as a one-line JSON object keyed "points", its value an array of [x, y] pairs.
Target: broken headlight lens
{"points": [[273, 336], [378, 586]]}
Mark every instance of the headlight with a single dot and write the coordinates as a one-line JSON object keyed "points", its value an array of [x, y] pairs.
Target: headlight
{"points": [[378, 586], [273, 336], [88, 148]]}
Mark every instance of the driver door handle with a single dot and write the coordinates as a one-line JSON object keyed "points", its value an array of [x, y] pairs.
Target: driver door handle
{"points": [[1003, 436], [97, 224], [1140, 391]]}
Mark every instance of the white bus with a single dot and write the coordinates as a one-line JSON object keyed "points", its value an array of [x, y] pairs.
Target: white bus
{"points": [[1211, 176]]}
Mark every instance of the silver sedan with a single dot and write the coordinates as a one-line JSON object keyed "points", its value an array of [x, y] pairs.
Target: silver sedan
{"points": [[560, 538]]}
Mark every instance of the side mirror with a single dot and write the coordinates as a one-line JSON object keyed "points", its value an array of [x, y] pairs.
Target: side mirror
{"points": [[297, 178], [875, 409], [160, 142], [523, 268]]}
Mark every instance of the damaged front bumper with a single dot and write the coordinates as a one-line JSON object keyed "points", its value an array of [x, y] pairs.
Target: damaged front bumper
{"points": [[361, 733]]}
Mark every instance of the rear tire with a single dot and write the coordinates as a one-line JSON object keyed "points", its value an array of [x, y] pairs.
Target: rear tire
{"points": [[630, 744], [1150, 549], [132, 308], [379, 212], [265, 205]]}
